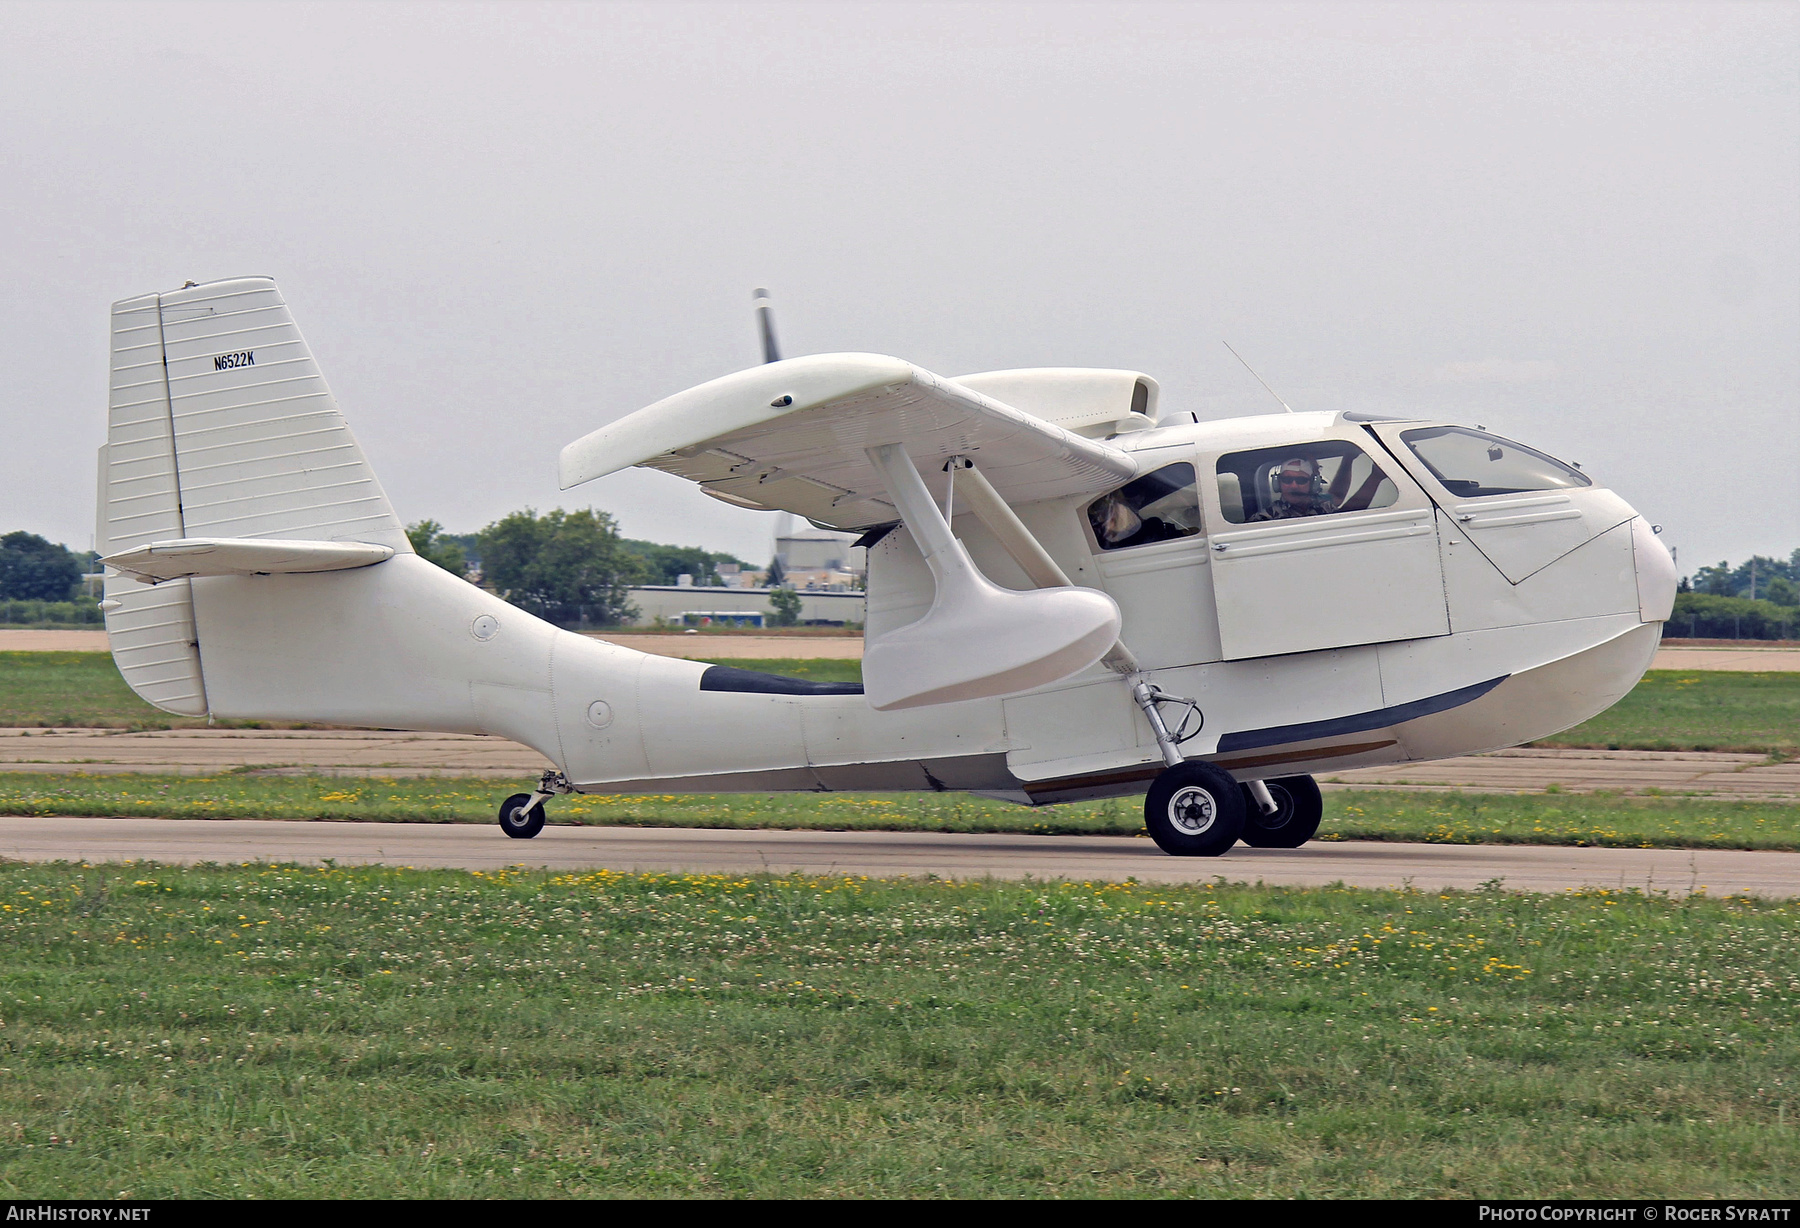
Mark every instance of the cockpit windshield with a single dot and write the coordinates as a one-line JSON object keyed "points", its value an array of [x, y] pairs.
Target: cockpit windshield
{"points": [[1473, 463]]}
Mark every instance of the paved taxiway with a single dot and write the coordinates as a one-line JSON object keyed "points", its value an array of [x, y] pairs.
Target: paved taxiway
{"points": [[1748, 778], [894, 854]]}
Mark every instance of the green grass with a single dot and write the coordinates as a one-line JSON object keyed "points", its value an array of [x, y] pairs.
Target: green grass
{"points": [[1698, 710], [74, 688], [84, 690], [1442, 818], [1668, 710], [461, 799], [329, 1033], [1603, 820]]}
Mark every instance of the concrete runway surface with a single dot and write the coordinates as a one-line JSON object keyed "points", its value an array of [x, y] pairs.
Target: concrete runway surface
{"points": [[1745, 778], [1427, 867], [288, 752]]}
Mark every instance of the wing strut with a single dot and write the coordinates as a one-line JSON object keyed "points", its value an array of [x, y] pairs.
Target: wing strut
{"points": [[1017, 540], [978, 640], [997, 516]]}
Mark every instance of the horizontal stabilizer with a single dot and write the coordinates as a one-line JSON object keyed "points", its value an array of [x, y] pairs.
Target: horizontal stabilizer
{"points": [[181, 557]]}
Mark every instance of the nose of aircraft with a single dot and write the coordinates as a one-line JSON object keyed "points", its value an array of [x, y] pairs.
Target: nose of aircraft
{"points": [[1655, 573]]}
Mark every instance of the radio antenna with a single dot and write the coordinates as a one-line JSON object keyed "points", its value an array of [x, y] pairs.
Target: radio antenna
{"points": [[1259, 379]]}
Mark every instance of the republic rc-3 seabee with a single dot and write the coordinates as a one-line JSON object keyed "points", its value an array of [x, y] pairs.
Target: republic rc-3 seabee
{"points": [[1071, 593]]}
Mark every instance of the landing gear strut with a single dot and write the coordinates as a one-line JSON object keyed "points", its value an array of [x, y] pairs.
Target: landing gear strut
{"points": [[1197, 810], [522, 814], [1193, 809]]}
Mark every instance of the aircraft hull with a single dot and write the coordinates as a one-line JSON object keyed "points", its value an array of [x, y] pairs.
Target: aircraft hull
{"points": [[394, 646], [1422, 625]]}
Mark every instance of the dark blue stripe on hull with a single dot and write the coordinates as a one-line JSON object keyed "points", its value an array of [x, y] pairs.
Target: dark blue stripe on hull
{"points": [[730, 678], [1362, 722]]}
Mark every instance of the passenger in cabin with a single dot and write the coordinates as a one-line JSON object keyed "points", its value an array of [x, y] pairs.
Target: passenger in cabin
{"points": [[1301, 490], [1157, 507]]}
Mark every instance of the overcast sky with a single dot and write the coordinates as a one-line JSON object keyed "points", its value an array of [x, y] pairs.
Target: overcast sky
{"points": [[502, 226]]}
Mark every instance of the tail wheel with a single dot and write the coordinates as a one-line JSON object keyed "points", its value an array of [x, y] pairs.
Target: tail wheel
{"points": [[1195, 810], [1298, 808], [518, 822]]}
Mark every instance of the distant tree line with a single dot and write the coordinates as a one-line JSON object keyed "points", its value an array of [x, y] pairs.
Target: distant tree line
{"points": [[1758, 577], [1759, 599], [569, 568], [565, 567], [1704, 616], [82, 613], [40, 583], [33, 568]]}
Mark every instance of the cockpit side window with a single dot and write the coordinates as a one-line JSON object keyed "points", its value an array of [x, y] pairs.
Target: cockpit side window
{"points": [[1158, 507], [1473, 463], [1310, 479]]}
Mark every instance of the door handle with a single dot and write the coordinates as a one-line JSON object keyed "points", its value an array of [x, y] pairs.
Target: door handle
{"points": [[1221, 547]]}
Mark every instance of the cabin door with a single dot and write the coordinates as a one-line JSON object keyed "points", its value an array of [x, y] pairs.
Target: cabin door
{"points": [[1317, 546], [1152, 557]]}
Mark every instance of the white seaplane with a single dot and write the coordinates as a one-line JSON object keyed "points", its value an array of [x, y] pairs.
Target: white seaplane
{"points": [[1072, 594]]}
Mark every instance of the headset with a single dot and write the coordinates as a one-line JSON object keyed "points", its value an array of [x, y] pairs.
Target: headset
{"points": [[1312, 467]]}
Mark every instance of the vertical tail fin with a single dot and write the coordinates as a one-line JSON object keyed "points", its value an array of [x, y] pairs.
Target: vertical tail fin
{"points": [[260, 447], [220, 425]]}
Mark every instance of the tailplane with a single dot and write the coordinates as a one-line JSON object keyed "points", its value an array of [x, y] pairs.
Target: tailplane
{"points": [[220, 427]]}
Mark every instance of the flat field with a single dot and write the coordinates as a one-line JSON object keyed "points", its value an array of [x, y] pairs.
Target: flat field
{"points": [[1668, 710], [333, 1032], [1698, 710], [84, 689], [1444, 818], [1597, 819], [74, 689]]}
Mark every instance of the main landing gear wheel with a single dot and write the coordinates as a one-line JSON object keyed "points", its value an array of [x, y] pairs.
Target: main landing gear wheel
{"points": [[1298, 808], [518, 822], [1194, 810]]}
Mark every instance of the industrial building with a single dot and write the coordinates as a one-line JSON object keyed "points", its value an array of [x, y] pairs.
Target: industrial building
{"points": [[692, 605]]}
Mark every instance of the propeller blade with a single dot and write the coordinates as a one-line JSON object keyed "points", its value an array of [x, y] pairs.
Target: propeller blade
{"points": [[765, 324]]}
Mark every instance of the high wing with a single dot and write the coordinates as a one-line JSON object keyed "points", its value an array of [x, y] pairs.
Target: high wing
{"points": [[793, 436]]}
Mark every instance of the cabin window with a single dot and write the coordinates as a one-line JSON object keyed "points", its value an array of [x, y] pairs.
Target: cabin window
{"points": [[1295, 480], [1158, 507], [1473, 463]]}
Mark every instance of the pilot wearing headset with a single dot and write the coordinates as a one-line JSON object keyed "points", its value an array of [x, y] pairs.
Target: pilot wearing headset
{"points": [[1300, 491]]}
